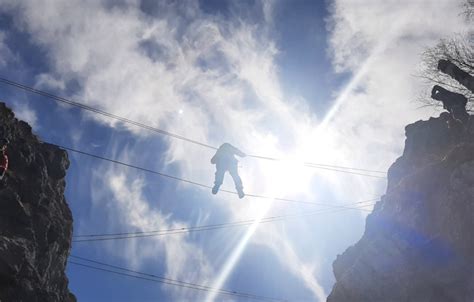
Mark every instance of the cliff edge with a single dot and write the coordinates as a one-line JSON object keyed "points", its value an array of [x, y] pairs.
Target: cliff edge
{"points": [[35, 220], [418, 243]]}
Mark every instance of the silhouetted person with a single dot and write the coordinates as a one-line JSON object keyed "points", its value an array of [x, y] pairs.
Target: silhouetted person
{"points": [[451, 69], [455, 103], [225, 161], [4, 158]]}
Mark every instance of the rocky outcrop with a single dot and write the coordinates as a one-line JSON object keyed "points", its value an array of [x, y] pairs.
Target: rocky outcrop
{"points": [[35, 221], [418, 243]]}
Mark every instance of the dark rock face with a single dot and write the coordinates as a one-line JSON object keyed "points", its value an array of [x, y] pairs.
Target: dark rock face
{"points": [[35, 221], [418, 243]]}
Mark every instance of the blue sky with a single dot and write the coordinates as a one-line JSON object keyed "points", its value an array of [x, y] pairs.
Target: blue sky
{"points": [[317, 81]]}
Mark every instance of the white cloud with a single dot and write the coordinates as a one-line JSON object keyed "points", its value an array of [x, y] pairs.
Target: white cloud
{"points": [[25, 113], [120, 191], [290, 259], [6, 54], [384, 40], [45, 80]]}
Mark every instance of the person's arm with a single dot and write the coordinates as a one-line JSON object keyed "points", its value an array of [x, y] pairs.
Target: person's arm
{"points": [[238, 152]]}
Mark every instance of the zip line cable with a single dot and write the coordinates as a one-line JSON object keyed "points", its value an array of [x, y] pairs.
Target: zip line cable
{"points": [[156, 233], [164, 132], [97, 265], [318, 165], [220, 224], [99, 111], [190, 181], [166, 231], [222, 292], [346, 171]]}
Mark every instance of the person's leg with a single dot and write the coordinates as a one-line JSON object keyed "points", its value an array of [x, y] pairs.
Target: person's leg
{"points": [[219, 178], [237, 181]]}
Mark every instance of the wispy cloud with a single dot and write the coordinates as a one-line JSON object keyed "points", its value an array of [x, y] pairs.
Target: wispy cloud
{"points": [[121, 192], [46, 81], [5, 52], [26, 113]]}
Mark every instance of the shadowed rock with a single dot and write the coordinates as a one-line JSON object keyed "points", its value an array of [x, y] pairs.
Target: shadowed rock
{"points": [[418, 243], [35, 220]]}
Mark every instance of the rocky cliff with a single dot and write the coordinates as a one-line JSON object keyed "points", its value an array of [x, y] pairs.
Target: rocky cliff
{"points": [[35, 221], [418, 243]]}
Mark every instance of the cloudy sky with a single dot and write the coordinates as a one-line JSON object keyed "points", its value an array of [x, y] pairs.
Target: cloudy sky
{"points": [[329, 82]]}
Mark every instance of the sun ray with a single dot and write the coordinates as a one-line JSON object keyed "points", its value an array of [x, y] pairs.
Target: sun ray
{"points": [[237, 252]]}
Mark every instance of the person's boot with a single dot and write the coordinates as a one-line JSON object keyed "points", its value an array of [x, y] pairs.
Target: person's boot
{"points": [[215, 189], [241, 193]]}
